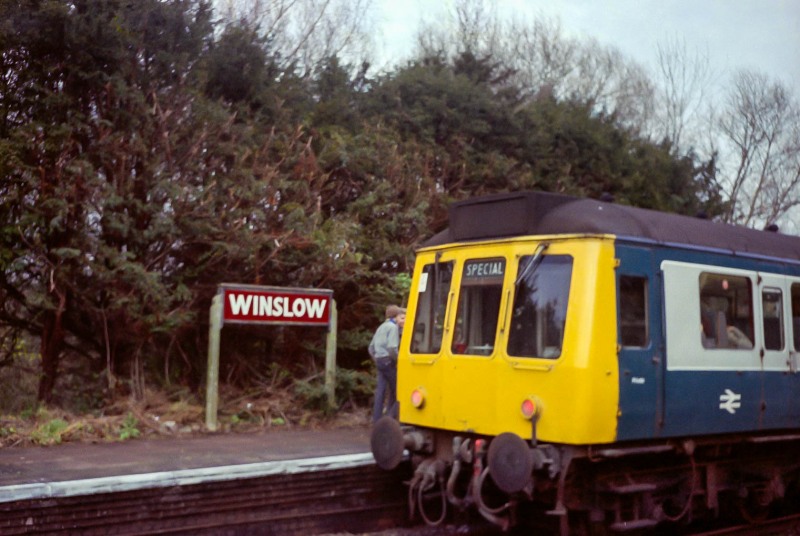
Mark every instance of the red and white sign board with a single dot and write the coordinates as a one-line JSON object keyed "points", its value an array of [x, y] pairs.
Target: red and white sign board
{"points": [[246, 304]]}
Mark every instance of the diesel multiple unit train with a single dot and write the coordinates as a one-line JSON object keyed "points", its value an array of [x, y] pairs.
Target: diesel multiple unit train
{"points": [[607, 368]]}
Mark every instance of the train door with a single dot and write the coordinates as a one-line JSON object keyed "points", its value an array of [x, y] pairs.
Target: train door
{"points": [[793, 322], [469, 378], [640, 344], [780, 407]]}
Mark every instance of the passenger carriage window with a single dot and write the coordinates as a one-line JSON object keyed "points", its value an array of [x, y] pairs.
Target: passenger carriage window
{"points": [[633, 324], [772, 305], [478, 306], [796, 315], [433, 289], [726, 311], [540, 306]]}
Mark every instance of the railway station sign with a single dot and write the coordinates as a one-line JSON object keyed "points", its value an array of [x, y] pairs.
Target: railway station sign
{"points": [[246, 304], [264, 305]]}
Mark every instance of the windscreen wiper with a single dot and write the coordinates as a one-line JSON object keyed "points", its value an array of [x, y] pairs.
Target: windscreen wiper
{"points": [[538, 256]]}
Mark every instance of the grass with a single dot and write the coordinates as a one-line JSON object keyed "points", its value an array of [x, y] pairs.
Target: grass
{"points": [[86, 412], [162, 414]]}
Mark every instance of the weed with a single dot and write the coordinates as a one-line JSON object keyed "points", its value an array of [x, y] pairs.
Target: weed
{"points": [[50, 432], [352, 386], [129, 428], [28, 413], [278, 375], [313, 393]]}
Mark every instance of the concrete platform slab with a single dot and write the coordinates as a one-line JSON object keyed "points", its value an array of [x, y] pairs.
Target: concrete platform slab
{"points": [[38, 472]]}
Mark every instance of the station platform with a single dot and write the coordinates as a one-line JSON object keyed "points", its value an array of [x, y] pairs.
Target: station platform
{"points": [[81, 469]]}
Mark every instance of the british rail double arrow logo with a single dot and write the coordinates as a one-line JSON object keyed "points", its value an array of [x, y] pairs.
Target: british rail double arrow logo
{"points": [[730, 401]]}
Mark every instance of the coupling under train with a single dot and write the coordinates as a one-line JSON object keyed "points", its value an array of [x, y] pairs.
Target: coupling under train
{"points": [[604, 367]]}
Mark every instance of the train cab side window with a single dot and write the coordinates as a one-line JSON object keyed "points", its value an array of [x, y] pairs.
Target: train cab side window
{"points": [[433, 288], [796, 315], [772, 306], [539, 316], [726, 311], [478, 307], [633, 319]]}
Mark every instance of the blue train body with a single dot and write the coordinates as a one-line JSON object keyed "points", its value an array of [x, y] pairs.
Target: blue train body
{"points": [[673, 386]]}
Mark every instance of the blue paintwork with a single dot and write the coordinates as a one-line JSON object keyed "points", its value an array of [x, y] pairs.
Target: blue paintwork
{"points": [[663, 403], [641, 369], [693, 402]]}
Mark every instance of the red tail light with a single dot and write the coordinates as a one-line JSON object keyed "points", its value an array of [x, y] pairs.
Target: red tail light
{"points": [[530, 408], [417, 398]]}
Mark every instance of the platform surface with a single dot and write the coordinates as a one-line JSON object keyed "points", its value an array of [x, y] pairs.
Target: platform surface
{"points": [[33, 469]]}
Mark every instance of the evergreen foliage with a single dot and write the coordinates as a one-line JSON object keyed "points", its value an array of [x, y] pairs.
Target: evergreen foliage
{"points": [[147, 155]]}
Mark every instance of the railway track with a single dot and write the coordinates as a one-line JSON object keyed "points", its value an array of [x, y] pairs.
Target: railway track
{"points": [[783, 526], [281, 499], [351, 499]]}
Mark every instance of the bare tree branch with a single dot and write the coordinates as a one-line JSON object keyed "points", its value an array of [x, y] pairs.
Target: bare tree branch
{"points": [[759, 125], [307, 32], [685, 81]]}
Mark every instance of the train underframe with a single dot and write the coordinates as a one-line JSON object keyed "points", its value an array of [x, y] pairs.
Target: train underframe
{"points": [[619, 488]]}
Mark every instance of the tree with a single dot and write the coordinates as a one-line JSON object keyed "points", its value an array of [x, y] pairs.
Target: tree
{"points": [[88, 161], [239, 66], [309, 32], [760, 126], [148, 156], [540, 61], [685, 80]]}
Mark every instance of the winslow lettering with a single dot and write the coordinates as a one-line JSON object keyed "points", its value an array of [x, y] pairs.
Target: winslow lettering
{"points": [[247, 305]]}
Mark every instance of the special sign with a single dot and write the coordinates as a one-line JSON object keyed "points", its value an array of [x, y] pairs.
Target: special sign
{"points": [[484, 272], [273, 305]]}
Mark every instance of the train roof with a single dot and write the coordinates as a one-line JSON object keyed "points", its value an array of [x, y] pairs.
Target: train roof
{"points": [[540, 213]]}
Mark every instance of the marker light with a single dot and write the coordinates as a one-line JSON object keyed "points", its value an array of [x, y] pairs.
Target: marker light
{"points": [[417, 398], [530, 408]]}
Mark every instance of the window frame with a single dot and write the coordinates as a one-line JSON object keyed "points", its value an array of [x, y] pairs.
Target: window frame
{"points": [[769, 289], [730, 336], [645, 322], [460, 344], [439, 301], [510, 342], [682, 322]]}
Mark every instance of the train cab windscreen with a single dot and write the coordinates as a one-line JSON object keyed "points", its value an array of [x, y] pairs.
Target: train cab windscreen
{"points": [[540, 306], [478, 306], [434, 288]]}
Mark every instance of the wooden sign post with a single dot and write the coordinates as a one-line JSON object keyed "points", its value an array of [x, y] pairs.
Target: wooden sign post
{"points": [[249, 304]]}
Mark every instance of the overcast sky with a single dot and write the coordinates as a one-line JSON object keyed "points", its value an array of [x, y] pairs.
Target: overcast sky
{"points": [[762, 35]]}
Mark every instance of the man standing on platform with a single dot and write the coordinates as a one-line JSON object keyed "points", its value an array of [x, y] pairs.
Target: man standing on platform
{"points": [[383, 350]]}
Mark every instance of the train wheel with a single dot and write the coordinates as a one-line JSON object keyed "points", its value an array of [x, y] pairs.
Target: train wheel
{"points": [[754, 507]]}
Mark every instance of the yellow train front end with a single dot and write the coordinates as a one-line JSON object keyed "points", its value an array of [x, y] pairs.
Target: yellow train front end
{"points": [[513, 336], [554, 368], [507, 365]]}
